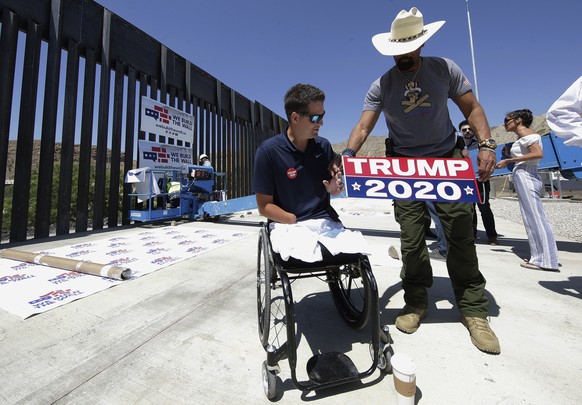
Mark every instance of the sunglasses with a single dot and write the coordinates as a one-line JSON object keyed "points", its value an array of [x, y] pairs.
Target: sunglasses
{"points": [[466, 130], [506, 120], [314, 118]]}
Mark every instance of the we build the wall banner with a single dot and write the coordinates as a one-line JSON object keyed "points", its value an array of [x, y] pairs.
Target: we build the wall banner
{"points": [[163, 157], [159, 118], [402, 178]]}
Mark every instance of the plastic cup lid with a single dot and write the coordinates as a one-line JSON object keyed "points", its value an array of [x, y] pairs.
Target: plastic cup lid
{"points": [[403, 363]]}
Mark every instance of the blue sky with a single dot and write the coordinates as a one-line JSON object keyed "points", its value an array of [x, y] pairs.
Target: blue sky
{"points": [[527, 52]]}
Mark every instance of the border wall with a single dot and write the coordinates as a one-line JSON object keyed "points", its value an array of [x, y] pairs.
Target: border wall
{"points": [[71, 78]]}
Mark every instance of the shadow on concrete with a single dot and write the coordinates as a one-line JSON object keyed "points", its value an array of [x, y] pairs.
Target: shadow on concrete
{"points": [[571, 287], [320, 327], [232, 220], [520, 248], [568, 246], [332, 391], [378, 232], [441, 290]]}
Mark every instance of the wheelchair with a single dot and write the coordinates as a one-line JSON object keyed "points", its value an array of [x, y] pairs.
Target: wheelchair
{"points": [[355, 295]]}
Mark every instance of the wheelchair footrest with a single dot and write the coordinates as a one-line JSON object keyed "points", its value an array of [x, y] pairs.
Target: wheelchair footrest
{"points": [[332, 366]]}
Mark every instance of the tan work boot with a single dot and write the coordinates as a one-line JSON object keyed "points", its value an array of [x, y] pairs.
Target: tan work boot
{"points": [[409, 319], [481, 334]]}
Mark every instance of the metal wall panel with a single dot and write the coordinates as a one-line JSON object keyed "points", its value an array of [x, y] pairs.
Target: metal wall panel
{"points": [[227, 125]]}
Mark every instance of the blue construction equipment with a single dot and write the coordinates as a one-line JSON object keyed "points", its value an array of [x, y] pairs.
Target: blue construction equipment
{"points": [[188, 193], [557, 157]]}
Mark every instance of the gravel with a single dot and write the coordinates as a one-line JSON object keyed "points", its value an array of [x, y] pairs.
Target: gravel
{"points": [[565, 216]]}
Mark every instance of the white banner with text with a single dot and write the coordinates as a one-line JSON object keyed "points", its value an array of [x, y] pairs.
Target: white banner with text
{"points": [[159, 118], [163, 157]]}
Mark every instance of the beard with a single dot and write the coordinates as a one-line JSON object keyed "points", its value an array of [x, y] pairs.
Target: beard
{"points": [[405, 63]]}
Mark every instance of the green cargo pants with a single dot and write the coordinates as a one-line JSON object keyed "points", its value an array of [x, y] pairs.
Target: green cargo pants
{"points": [[462, 264]]}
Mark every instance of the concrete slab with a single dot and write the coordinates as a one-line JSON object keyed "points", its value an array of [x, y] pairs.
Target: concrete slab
{"points": [[187, 334]]}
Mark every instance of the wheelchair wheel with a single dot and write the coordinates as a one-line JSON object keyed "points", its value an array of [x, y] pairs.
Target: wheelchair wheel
{"points": [[264, 275], [351, 291], [269, 381]]}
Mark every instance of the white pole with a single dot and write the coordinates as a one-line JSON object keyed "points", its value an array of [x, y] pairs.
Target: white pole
{"points": [[472, 51]]}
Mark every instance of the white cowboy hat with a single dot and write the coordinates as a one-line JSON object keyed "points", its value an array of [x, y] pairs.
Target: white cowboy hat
{"points": [[407, 34], [202, 156]]}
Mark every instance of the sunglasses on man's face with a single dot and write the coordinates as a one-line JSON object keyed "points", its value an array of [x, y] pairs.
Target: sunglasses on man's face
{"points": [[465, 129], [314, 118], [506, 120]]}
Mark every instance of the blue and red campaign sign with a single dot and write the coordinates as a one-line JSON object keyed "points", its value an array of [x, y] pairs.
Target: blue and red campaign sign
{"points": [[404, 178]]}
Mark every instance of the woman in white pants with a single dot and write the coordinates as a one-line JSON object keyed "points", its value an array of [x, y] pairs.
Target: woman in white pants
{"points": [[526, 154]]}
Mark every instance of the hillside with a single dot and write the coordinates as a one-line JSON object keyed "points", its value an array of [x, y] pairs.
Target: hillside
{"points": [[11, 161]]}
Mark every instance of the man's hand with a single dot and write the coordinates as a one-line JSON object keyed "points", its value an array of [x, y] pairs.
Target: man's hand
{"points": [[486, 163], [502, 164], [337, 164], [335, 185]]}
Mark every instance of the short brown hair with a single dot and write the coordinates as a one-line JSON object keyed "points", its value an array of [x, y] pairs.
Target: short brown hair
{"points": [[299, 96]]}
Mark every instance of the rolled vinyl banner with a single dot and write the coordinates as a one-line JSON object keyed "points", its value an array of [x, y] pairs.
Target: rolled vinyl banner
{"points": [[80, 266]]}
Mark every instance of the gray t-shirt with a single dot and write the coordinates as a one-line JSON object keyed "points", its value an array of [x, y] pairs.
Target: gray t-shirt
{"points": [[416, 111]]}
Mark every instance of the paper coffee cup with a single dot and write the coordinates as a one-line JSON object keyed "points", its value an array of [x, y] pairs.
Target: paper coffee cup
{"points": [[404, 372]]}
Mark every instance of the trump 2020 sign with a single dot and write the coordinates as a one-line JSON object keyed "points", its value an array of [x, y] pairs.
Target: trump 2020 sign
{"points": [[403, 178]]}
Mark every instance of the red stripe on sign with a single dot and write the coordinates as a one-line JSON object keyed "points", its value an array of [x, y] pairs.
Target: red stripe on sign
{"points": [[411, 168]]}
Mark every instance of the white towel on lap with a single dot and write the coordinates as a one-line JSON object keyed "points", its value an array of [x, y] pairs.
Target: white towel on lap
{"points": [[300, 240]]}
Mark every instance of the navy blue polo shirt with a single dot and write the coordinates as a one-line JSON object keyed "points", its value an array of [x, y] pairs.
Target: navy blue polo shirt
{"points": [[295, 178]]}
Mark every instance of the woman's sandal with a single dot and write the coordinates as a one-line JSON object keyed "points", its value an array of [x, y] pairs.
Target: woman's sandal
{"points": [[528, 265]]}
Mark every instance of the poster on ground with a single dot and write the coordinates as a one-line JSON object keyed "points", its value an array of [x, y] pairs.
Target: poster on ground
{"points": [[27, 288]]}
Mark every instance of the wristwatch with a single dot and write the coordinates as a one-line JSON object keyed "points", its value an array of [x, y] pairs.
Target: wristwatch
{"points": [[488, 143], [348, 152]]}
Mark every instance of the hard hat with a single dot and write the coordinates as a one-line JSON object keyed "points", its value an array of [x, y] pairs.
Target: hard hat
{"points": [[202, 156]]}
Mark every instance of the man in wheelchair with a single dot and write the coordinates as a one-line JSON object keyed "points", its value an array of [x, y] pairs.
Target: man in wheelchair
{"points": [[295, 174]]}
